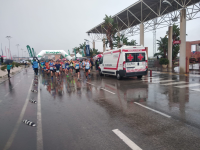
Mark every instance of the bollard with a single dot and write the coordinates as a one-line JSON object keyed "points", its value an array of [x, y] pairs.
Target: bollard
{"points": [[150, 73]]}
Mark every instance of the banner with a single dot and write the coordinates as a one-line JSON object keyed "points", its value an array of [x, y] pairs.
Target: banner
{"points": [[87, 50]]}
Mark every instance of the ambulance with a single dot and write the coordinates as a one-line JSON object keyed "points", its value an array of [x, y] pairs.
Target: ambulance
{"points": [[128, 61]]}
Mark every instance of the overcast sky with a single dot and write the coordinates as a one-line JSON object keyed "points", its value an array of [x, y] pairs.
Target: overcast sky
{"points": [[62, 24]]}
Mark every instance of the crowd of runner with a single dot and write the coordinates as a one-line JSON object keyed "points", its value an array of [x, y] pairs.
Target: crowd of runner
{"points": [[60, 67]]}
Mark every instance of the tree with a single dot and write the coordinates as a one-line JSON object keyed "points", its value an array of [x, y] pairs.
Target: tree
{"points": [[162, 47], [110, 27], [93, 52], [77, 49], [83, 46], [132, 43], [120, 40], [163, 44]]}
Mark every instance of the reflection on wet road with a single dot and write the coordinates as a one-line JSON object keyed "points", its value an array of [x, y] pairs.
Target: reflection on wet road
{"points": [[159, 112]]}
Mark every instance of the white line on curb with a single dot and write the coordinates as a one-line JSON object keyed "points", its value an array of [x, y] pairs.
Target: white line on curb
{"points": [[126, 140], [14, 132], [153, 110], [107, 91], [39, 122]]}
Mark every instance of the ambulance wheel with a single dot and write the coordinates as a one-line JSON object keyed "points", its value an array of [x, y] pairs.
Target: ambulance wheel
{"points": [[139, 77], [118, 76]]}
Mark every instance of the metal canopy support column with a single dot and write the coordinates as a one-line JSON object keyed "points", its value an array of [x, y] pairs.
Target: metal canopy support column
{"points": [[182, 60], [142, 34], [93, 44], [170, 46]]}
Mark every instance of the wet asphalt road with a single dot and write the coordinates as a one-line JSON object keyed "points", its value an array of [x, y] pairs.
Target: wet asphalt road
{"points": [[159, 113]]}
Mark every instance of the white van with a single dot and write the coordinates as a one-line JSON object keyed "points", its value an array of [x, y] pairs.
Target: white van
{"points": [[128, 61]]}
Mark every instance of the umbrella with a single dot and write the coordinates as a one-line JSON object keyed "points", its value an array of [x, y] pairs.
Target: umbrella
{"points": [[99, 56], [3, 56]]}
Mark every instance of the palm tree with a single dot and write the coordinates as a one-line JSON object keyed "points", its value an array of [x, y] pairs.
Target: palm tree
{"points": [[83, 46], [132, 43], [162, 47], [110, 27]]}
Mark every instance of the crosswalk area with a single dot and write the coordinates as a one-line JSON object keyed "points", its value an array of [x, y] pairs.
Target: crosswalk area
{"points": [[194, 86]]}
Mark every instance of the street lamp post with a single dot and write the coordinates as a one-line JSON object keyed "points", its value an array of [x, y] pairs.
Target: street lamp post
{"points": [[9, 37], [22, 53], [18, 50]]}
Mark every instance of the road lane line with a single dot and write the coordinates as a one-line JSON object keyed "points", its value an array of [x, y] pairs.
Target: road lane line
{"points": [[189, 85], [14, 86], [153, 110], [198, 90], [107, 91], [90, 83], [7, 94], [126, 140], [172, 83], [164, 81], [14, 132], [39, 122]]}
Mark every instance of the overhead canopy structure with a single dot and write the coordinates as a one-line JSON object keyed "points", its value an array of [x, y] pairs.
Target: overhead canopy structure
{"points": [[147, 10]]}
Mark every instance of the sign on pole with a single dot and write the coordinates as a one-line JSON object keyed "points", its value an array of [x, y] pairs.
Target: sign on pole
{"points": [[177, 42], [87, 49]]}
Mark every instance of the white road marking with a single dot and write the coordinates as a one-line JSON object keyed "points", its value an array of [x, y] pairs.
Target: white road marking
{"points": [[153, 110], [189, 85], [198, 90], [39, 122], [153, 79], [107, 91], [172, 83], [164, 81], [126, 140], [14, 132], [7, 94], [14, 86], [90, 83]]}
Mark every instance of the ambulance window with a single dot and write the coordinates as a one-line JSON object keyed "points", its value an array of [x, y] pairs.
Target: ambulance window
{"points": [[140, 56], [130, 57], [101, 60]]}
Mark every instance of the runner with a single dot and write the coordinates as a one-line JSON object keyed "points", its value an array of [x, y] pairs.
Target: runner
{"points": [[51, 64], [61, 63], [87, 68], [47, 67], [63, 66], [77, 68], [71, 67], [83, 64], [67, 67], [57, 65], [42, 65]]}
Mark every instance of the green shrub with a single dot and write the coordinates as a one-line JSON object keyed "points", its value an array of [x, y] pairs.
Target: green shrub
{"points": [[17, 64], [163, 61], [3, 67]]}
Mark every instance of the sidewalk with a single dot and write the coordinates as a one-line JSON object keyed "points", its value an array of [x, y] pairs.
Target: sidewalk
{"points": [[4, 74]]}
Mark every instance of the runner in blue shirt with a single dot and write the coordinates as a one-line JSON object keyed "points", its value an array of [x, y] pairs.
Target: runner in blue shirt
{"points": [[87, 68], [77, 68], [67, 67], [51, 64], [57, 65]]}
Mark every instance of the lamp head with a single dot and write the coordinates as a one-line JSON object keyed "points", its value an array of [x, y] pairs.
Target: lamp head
{"points": [[166, 2]]}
